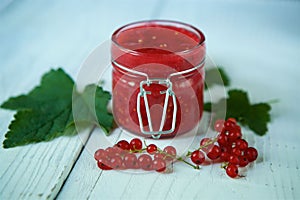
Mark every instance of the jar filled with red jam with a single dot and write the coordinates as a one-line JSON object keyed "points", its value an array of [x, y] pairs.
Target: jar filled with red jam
{"points": [[158, 77]]}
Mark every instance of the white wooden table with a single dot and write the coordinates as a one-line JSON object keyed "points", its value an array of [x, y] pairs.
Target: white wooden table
{"points": [[258, 42]]}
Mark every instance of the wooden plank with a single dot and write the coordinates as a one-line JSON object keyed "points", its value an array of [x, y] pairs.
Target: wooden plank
{"points": [[85, 174], [38, 171]]}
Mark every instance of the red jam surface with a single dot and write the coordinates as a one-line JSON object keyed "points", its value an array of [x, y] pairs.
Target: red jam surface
{"points": [[158, 48]]}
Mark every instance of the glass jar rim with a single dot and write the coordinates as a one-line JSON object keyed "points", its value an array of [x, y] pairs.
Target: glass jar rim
{"points": [[186, 26]]}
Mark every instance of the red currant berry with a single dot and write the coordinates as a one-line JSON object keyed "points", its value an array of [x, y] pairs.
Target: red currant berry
{"points": [[234, 135], [224, 131], [224, 156], [229, 125], [136, 144], [123, 144], [251, 154], [206, 144], [100, 153], [232, 119], [232, 170], [116, 162], [238, 128], [226, 149], [111, 151], [214, 153], [233, 159], [241, 144], [130, 161], [145, 162], [170, 152], [198, 157], [102, 164], [159, 155], [159, 165], [219, 124], [222, 139], [236, 151], [151, 148], [117, 151], [243, 161]]}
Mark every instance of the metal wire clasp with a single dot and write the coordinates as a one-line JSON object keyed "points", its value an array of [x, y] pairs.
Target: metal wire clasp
{"points": [[143, 94]]}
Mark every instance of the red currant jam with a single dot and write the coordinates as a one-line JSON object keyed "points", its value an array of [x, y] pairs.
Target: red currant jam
{"points": [[158, 50]]}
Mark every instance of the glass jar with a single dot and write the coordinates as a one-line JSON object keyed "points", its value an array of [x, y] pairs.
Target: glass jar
{"points": [[158, 77]]}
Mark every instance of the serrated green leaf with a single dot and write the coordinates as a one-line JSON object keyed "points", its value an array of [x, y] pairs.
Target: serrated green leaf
{"points": [[31, 127], [46, 112], [216, 76], [258, 117], [237, 104], [94, 100], [255, 116], [54, 92]]}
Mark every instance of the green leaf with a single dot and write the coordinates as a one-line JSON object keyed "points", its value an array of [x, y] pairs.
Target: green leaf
{"points": [[255, 116], [216, 76], [31, 127], [91, 106], [54, 92], [47, 111], [237, 103], [258, 117], [207, 107]]}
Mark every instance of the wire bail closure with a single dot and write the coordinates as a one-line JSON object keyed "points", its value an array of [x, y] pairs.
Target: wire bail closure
{"points": [[168, 93]]}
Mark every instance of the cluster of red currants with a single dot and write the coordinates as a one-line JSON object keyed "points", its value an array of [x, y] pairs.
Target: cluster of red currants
{"points": [[132, 155], [228, 147]]}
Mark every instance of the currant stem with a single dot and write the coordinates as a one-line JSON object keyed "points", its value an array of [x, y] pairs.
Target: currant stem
{"points": [[224, 165], [273, 101], [138, 151], [173, 157], [179, 159], [194, 166], [213, 140], [145, 143]]}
